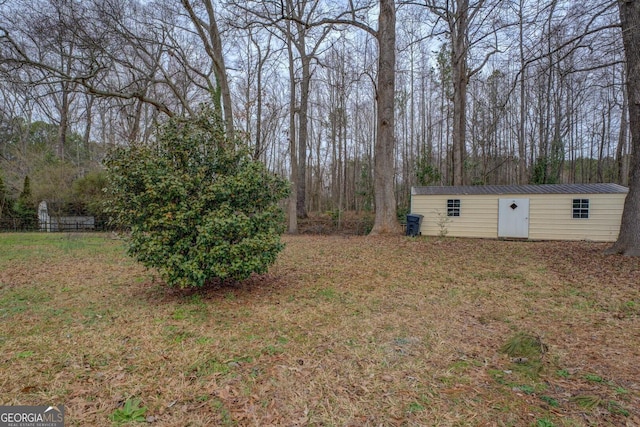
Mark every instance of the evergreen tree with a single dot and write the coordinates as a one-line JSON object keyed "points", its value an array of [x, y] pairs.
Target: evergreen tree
{"points": [[5, 202], [25, 207]]}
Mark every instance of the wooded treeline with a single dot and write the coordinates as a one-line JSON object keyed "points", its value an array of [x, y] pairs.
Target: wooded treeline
{"points": [[486, 91]]}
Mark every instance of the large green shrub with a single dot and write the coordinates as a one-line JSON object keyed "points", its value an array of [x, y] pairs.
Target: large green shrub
{"points": [[197, 205], [88, 194]]}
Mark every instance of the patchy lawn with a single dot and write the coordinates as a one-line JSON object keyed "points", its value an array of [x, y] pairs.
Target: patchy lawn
{"points": [[353, 331]]}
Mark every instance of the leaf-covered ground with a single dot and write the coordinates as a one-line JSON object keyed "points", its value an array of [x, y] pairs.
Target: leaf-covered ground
{"points": [[343, 331]]}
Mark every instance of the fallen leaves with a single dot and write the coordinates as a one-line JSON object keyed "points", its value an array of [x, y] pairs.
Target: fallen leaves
{"points": [[355, 331]]}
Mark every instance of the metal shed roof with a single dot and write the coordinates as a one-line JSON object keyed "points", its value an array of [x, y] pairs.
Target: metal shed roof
{"points": [[519, 189]]}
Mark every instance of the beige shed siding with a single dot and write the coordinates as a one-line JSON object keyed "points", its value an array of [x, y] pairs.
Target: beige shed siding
{"points": [[550, 216], [478, 215]]}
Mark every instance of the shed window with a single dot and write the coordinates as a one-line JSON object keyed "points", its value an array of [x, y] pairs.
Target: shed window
{"points": [[453, 207], [581, 208]]}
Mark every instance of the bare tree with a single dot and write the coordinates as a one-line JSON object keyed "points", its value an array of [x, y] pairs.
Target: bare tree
{"points": [[209, 34], [259, 148], [386, 220], [298, 12], [294, 174], [295, 22], [628, 242], [464, 31], [622, 172], [345, 131], [522, 153], [384, 165]]}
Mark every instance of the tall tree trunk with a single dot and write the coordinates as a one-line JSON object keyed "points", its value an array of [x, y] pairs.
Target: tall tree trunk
{"points": [[257, 151], [134, 130], [292, 226], [333, 138], [210, 37], [259, 148], [603, 138], [386, 220], [64, 121], [460, 76], [303, 134], [628, 242], [89, 121], [522, 156], [220, 68], [623, 174]]}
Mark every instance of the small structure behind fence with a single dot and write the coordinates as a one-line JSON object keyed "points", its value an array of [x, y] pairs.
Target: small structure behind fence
{"points": [[63, 223]]}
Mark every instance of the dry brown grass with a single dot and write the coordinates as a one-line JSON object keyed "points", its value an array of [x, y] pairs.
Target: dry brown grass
{"points": [[344, 331]]}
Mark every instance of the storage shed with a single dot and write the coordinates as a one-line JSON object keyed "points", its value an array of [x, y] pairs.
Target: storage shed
{"points": [[538, 212]]}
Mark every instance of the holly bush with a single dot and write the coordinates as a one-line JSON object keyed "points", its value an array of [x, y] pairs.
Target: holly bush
{"points": [[196, 205]]}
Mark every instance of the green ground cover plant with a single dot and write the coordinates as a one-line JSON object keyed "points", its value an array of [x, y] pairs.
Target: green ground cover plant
{"points": [[341, 331]]}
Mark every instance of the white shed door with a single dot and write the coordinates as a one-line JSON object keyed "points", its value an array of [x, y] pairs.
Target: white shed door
{"points": [[513, 218]]}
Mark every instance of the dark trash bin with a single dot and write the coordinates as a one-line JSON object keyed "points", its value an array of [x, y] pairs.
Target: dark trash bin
{"points": [[414, 221]]}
